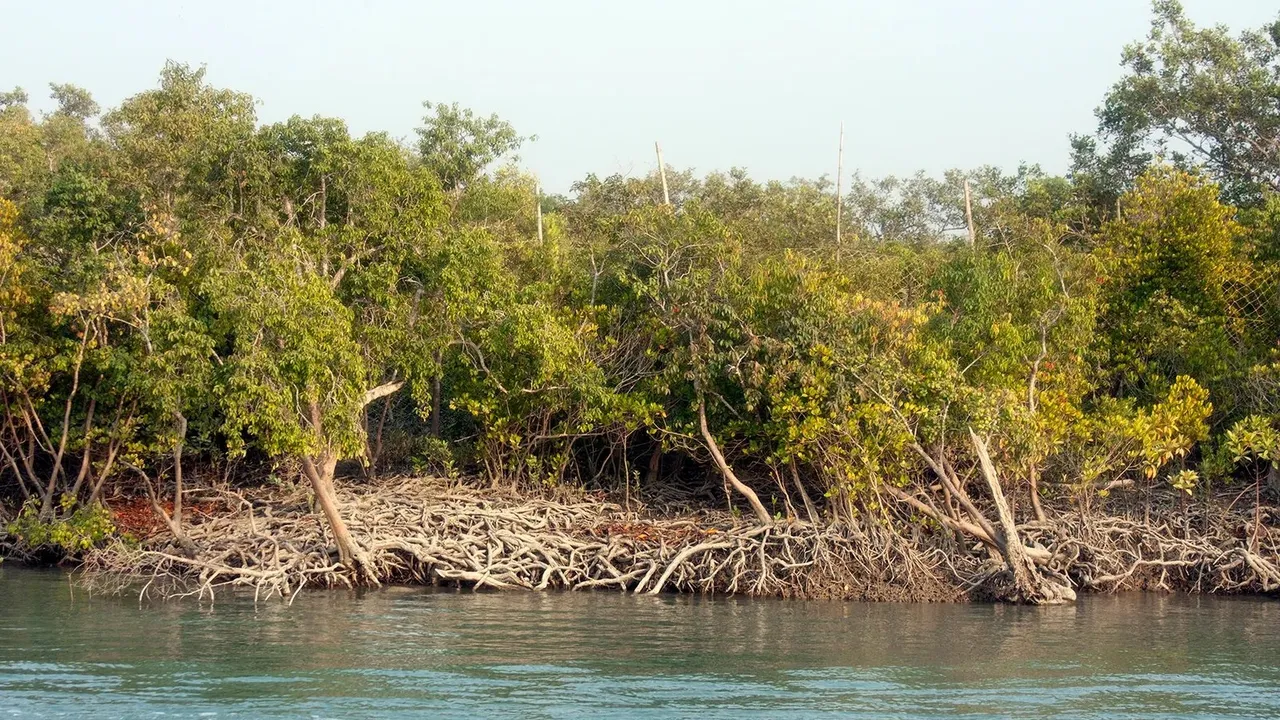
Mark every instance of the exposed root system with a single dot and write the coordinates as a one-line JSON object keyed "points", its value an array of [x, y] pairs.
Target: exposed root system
{"points": [[428, 531], [433, 532], [1188, 550]]}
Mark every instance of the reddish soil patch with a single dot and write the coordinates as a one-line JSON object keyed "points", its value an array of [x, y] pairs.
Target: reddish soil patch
{"points": [[136, 517]]}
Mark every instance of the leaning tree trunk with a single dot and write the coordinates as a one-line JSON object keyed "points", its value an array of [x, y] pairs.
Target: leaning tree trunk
{"points": [[1035, 495], [319, 470], [809, 507], [754, 500], [189, 548], [436, 393], [1030, 584]]}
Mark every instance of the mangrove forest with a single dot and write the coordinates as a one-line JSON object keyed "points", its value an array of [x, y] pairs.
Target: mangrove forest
{"points": [[283, 355]]}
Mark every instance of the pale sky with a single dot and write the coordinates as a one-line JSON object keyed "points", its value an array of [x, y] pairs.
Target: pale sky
{"points": [[920, 84]]}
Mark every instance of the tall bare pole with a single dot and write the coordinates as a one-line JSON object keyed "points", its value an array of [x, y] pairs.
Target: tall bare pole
{"points": [[662, 170], [537, 196], [968, 214], [839, 186]]}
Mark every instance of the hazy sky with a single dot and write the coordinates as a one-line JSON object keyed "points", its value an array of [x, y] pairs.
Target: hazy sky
{"points": [[920, 84]]}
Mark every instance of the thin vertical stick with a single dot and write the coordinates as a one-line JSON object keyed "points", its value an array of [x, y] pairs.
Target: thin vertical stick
{"points": [[537, 196], [662, 170], [839, 186], [968, 214]]}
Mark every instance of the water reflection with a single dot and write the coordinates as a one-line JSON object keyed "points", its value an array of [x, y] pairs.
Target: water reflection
{"points": [[411, 652]]}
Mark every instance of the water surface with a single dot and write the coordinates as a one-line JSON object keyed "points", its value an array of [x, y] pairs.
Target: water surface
{"points": [[424, 653]]}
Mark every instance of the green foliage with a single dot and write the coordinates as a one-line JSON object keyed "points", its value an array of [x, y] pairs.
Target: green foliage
{"points": [[1197, 96], [1170, 257], [457, 145], [183, 142], [75, 102], [13, 98], [1253, 438], [1185, 481], [1121, 440], [76, 529], [292, 351], [436, 458]]}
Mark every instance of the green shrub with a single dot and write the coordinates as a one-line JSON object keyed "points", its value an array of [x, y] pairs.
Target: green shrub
{"points": [[76, 529]]}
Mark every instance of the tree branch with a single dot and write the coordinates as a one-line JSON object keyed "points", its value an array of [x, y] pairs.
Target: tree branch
{"points": [[381, 391]]}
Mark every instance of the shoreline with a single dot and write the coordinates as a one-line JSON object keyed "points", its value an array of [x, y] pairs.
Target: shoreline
{"points": [[431, 531]]}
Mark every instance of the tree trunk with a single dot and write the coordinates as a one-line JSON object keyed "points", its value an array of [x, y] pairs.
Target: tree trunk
{"points": [[86, 459], [319, 470], [947, 475], [373, 452], [809, 507], [655, 465], [435, 398], [177, 469], [754, 500], [1257, 510], [1031, 586], [188, 547], [1035, 495], [46, 510]]}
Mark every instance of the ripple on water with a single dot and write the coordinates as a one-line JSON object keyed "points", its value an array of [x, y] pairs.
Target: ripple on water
{"points": [[421, 653]]}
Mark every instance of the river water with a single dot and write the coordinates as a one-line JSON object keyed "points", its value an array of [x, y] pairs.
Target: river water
{"points": [[429, 653]]}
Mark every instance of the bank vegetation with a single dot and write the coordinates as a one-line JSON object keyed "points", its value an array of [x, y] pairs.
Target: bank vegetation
{"points": [[987, 384]]}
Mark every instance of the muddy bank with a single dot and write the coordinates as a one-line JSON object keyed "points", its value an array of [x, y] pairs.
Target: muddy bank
{"points": [[432, 531]]}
